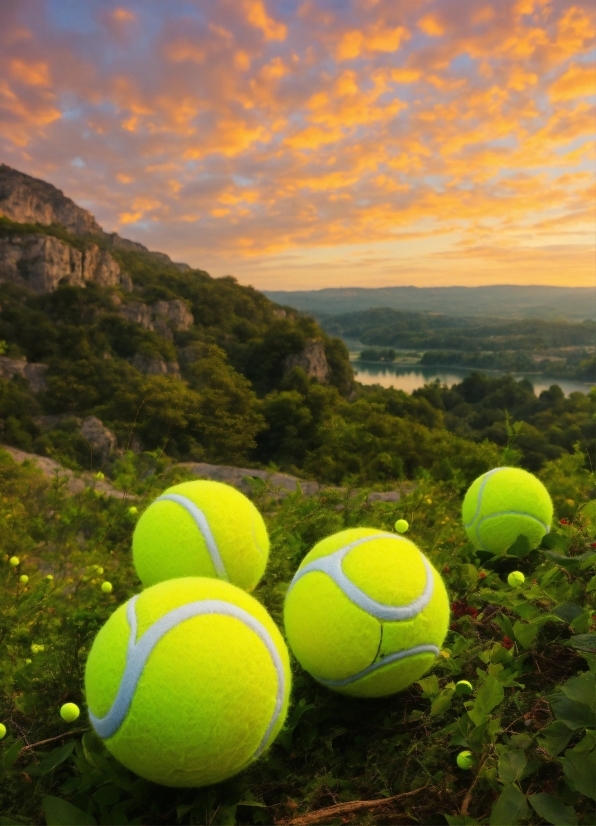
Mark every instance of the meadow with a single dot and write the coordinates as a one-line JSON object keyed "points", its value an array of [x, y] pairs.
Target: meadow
{"points": [[529, 653]]}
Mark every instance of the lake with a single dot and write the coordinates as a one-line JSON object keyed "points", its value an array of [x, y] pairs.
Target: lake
{"points": [[409, 377]]}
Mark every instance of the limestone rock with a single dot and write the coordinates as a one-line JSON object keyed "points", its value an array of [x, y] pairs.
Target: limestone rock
{"points": [[101, 439], [138, 313], [99, 266], [155, 366], [126, 282], [176, 312], [312, 360], [34, 373], [33, 201], [40, 262]]}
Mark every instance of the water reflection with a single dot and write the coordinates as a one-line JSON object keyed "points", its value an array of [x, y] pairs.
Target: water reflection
{"points": [[411, 377]]}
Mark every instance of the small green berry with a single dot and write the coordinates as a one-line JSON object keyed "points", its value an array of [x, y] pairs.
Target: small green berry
{"points": [[402, 525], [14, 561], [69, 712], [23, 579], [107, 587], [465, 760], [2, 731], [515, 579], [463, 687]]}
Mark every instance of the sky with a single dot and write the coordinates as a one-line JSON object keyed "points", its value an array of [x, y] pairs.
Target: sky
{"points": [[301, 144]]}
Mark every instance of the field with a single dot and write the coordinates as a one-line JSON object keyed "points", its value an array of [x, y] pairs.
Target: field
{"points": [[530, 654]]}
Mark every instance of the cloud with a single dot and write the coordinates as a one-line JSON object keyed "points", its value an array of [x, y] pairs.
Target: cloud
{"points": [[233, 133]]}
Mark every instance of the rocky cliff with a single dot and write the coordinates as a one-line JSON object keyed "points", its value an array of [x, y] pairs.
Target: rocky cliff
{"points": [[41, 262]]}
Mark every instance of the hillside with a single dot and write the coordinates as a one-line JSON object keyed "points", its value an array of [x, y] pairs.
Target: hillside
{"points": [[116, 358], [498, 300]]}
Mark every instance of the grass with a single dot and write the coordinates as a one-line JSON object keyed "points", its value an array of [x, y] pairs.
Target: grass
{"points": [[530, 654]]}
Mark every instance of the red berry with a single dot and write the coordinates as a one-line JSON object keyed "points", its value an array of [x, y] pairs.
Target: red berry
{"points": [[507, 643], [563, 521], [481, 575]]}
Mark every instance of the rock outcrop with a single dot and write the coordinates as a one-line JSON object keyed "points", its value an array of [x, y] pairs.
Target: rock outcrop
{"points": [[100, 438], [155, 366], [33, 201], [40, 262], [34, 373], [312, 360], [161, 317]]}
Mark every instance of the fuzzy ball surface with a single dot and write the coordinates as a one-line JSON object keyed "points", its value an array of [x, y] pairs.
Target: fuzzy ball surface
{"points": [[70, 712], [14, 561], [23, 579], [402, 525], [2, 731], [504, 503], [515, 579], [463, 687], [201, 528], [188, 682], [366, 613], [465, 760], [107, 587]]}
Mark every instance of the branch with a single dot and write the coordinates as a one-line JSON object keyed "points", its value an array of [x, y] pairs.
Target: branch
{"points": [[468, 798], [53, 739], [348, 808]]}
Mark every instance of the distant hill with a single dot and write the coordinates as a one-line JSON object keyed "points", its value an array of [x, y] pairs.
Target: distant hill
{"points": [[503, 300]]}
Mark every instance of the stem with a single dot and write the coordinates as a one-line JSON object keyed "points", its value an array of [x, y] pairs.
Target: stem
{"points": [[53, 739], [353, 806]]}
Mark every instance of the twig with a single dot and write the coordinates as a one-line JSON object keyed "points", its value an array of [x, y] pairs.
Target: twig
{"points": [[52, 739], [468, 798], [348, 808]]}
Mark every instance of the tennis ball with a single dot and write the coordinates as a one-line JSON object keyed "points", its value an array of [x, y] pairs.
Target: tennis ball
{"points": [[401, 526], [14, 561], [366, 613], [463, 687], [188, 682], [515, 579], [465, 760], [23, 579], [201, 529], [504, 503], [37, 648], [133, 509], [49, 577], [69, 712], [2, 731], [107, 587]]}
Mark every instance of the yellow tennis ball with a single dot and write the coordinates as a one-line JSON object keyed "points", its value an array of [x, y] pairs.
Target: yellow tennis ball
{"points": [[188, 682], [402, 525], [107, 587], [504, 503], [515, 579], [366, 613], [201, 529], [23, 579], [69, 712], [463, 687], [465, 760], [14, 561]]}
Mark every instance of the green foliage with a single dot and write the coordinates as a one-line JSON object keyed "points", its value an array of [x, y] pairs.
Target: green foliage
{"points": [[529, 653]]}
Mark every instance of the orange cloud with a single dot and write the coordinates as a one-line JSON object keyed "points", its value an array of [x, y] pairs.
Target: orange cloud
{"points": [[430, 25], [578, 81], [34, 74], [123, 15], [256, 15]]}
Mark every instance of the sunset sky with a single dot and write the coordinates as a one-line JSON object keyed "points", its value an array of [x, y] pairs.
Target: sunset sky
{"points": [[299, 144]]}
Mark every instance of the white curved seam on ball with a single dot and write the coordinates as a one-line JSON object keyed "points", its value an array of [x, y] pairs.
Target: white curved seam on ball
{"points": [[332, 566], [507, 513], [139, 652], [202, 524], [487, 476], [390, 658]]}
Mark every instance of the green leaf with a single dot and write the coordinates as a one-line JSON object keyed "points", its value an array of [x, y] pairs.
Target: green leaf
{"points": [[583, 642], [525, 632], [567, 611], [12, 753], [512, 763], [7, 821], [554, 737], [580, 771], [582, 689], [489, 696], [556, 542], [460, 820], [442, 701], [520, 548], [552, 810], [107, 795], [53, 759], [62, 813], [581, 624], [573, 714], [510, 808]]}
